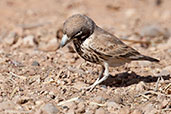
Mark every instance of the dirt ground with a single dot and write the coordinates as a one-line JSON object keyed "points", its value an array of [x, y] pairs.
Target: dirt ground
{"points": [[36, 78]]}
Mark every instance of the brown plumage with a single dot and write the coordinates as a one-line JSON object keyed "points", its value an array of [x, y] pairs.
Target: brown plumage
{"points": [[98, 46]]}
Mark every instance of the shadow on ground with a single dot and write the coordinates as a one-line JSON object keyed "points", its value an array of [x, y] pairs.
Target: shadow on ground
{"points": [[126, 79]]}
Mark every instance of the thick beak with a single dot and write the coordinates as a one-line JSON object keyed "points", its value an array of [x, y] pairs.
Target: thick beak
{"points": [[64, 40]]}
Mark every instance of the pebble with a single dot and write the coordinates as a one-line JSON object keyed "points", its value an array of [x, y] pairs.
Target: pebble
{"points": [[136, 111], [35, 63], [149, 109], [164, 73], [70, 105], [71, 111], [49, 109], [89, 112], [112, 104], [39, 102], [52, 45], [144, 63], [81, 107], [99, 99], [164, 103], [152, 31], [140, 86], [124, 110], [168, 68], [79, 85], [29, 41], [130, 12], [52, 95], [7, 105], [11, 38], [100, 111]]}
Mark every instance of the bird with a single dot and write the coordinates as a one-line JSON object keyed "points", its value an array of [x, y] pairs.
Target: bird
{"points": [[98, 46]]}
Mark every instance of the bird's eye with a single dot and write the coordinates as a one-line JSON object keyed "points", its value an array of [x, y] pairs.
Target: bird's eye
{"points": [[78, 34]]}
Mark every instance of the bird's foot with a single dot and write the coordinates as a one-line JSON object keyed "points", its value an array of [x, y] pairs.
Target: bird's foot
{"points": [[90, 88]]}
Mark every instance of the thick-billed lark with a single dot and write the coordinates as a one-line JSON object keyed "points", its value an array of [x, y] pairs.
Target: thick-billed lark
{"points": [[98, 46]]}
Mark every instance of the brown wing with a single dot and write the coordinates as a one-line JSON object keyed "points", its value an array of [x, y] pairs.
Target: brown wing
{"points": [[107, 45]]}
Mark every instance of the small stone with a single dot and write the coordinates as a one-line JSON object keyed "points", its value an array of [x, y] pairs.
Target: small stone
{"points": [[89, 112], [79, 85], [99, 99], [52, 95], [124, 110], [11, 38], [118, 99], [164, 103], [71, 111], [16, 63], [168, 68], [35, 63], [166, 15], [151, 31], [136, 111], [49, 109], [100, 111], [164, 73], [81, 107], [23, 100], [140, 86], [113, 105], [52, 45], [7, 105], [39, 102], [149, 109], [144, 63], [29, 41], [70, 105], [130, 12]]}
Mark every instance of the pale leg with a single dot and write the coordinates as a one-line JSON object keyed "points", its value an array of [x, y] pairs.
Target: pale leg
{"points": [[98, 81]]}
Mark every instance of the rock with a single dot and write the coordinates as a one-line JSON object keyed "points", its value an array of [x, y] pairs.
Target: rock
{"points": [[71, 111], [130, 12], [144, 63], [70, 105], [112, 104], [49, 109], [154, 31], [100, 111], [140, 86], [81, 107], [29, 41], [118, 99], [89, 112], [52, 45], [52, 95], [79, 85], [164, 73], [166, 15], [168, 68], [164, 103], [136, 111], [7, 105], [39, 102], [35, 63], [99, 99], [11, 38], [149, 109], [124, 110]]}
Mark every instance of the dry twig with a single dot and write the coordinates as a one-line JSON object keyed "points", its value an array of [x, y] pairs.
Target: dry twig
{"points": [[67, 101]]}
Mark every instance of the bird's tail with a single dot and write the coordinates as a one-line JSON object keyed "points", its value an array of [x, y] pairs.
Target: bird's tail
{"points": [[143, 57]]}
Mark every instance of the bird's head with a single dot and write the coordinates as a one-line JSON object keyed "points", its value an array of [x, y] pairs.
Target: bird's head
{"points": [[77, 27]]}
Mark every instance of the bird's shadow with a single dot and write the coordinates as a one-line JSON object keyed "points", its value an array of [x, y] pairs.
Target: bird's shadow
{"points": [[126, 79]]}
